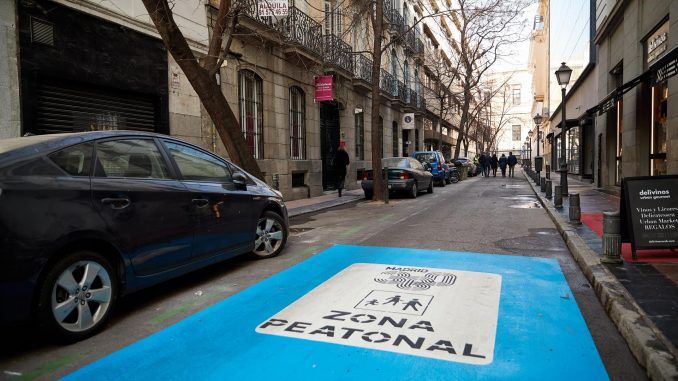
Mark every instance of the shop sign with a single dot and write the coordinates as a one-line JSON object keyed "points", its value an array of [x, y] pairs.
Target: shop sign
{"points": [[657, 44], [441, 314], [323, 88], [272, 8], [649, 212], [408, 121]]}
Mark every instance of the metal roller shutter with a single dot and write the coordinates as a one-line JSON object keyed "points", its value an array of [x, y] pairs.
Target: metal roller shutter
{"points": [[63, 109]]}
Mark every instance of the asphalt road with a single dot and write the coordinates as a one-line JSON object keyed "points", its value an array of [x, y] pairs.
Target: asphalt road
{"points": [[487, 215]]}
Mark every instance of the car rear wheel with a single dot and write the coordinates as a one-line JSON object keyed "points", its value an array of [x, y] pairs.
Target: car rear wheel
{"points": [[271, 235], [414, 191], [448, 179], [77, 296]]}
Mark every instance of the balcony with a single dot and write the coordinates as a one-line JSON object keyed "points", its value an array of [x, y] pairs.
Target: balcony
{"points": [[402, 94], [362, 73], [338, 54], [410, 41], [251, 20], [395, 21], [388, 84], [303, 36]]}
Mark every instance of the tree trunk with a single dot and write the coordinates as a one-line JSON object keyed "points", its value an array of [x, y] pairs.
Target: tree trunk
{"points": [[377, 127], [205, 86], [440, 125]]}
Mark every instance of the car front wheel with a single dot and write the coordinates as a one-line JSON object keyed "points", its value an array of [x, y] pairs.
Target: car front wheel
{"points": [[77, 296], [271, 235]]}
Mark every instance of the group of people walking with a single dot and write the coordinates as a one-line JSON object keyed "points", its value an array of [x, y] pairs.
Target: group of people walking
{"points": [[489, 162]]}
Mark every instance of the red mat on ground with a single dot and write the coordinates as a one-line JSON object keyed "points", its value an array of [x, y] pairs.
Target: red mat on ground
{"points": [[595, 222]]}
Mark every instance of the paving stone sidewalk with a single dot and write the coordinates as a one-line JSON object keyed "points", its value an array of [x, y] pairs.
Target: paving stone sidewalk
{"points": [[328, 200], [641, 298]]}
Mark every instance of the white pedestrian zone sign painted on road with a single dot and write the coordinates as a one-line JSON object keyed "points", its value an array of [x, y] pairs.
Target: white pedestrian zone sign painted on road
{"points": [[437, 313]]}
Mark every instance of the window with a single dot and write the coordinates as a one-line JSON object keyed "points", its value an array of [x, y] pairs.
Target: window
{"points": [[516, 130], [394, 139], [75, 160], [251, 111], [515, 95], [197, 165], [406, 79], [297, 123], [333, 19], [298, 179], [360, 136], [136, 158]]}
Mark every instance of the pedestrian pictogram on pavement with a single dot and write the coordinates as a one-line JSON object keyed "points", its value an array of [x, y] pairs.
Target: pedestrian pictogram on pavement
{"points": [[454, 319]]}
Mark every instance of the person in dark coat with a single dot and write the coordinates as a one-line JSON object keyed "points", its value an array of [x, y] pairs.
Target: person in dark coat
{"points": [[339, 164], [483, 163], [503, 161], [512, 161], [493, 162]]}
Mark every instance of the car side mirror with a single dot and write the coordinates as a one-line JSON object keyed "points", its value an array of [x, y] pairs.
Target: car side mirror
{"points": [[240, 180]]}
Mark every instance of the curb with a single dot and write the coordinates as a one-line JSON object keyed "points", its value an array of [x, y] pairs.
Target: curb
{"points": [[323, 205], [648, 345]]}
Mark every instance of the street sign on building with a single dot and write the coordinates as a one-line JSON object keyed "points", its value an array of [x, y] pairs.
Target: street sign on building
{"points": [[408, 121]]}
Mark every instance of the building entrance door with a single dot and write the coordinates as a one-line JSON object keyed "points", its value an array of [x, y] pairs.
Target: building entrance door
{"points": [[329, 141]]}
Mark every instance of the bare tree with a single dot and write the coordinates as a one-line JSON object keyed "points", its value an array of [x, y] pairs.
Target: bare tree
{"points": [[201, 73], [486, 31]]}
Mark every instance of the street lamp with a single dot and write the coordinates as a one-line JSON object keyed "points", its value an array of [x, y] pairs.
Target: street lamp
{"points": [[563, 75], [537, 122]]}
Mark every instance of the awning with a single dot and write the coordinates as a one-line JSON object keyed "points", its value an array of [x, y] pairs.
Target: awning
{"points": [[665, 68]]}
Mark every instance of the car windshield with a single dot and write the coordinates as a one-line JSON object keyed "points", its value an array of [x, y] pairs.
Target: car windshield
{"points": [[395, 162], [425, 157]]}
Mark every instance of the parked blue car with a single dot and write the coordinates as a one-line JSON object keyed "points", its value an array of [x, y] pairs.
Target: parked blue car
{"points": [[439, 168]]}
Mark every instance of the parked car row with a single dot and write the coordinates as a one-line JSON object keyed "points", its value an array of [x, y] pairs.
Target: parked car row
{"points": [[88, 217], [411, 175]]}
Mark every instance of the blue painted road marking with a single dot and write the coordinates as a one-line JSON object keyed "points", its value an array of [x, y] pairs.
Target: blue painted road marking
{"points": [[540, 333]]}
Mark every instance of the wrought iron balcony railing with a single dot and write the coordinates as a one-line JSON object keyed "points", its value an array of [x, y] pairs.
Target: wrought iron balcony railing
{"points": [[388, 84], [396, 23], [419, 46], [421, 103], [337, 53], [401, 92], [298, 28], [250, 9], [410, 41], [362, 68]]}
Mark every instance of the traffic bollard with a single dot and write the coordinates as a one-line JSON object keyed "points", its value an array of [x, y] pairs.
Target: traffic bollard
{"points": [[575, 209], [558, 197], [542, 184], [611, 238], [549, 190], [548, 172]]}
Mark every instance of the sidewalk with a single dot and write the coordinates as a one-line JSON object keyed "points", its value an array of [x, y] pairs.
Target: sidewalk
{"points": [[640, 296], [328, 200]]}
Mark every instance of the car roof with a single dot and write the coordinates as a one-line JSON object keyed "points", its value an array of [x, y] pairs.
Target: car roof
{"points": [[13, 149]]}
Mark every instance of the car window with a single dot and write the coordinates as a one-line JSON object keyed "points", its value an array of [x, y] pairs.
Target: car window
{"points": [[134, 158], [425, 157], [75, 160], [196, 165], [395, 162], [416, 164]]}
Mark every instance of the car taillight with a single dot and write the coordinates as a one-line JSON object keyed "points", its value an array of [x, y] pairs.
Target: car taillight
{"points": [[440, 166], [404, 175]]}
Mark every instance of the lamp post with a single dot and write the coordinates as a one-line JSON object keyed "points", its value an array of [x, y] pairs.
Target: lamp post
{"points": [[563, 75], [537, 122], [529, 139]]}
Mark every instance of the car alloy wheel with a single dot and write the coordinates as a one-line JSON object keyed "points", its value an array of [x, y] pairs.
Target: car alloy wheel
{"points": [[415, 191], [81, 296], [271, 236]]}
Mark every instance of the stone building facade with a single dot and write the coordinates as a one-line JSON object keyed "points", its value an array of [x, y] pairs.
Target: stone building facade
{"points": [[270, 86]]}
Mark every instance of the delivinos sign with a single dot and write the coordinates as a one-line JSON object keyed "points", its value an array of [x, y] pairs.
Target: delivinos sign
{"points": [[443, 314]]}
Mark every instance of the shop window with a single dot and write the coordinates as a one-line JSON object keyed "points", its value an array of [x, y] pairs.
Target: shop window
{"points": [[660, 94], [297, 124], [251, 111]]}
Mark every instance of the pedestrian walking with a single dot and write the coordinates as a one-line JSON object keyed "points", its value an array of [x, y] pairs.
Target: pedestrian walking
{"points": [[502, 164], [488, 163], [339, 163], [483, 163], [494, 162], [512, 161]]}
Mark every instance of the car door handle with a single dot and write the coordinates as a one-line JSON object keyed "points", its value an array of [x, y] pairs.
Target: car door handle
{"points": [[200, 202], [116, 202]]}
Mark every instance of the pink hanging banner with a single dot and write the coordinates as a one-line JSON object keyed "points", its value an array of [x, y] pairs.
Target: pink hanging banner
{"points": [[323, 88]]}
